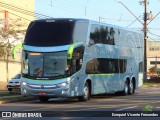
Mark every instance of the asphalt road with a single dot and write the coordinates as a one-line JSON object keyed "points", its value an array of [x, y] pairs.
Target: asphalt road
{"points": [[103, 104]]}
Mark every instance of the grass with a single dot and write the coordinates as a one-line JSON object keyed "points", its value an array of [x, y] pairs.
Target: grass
{"points": [[13, 96], [7, 93], [150, 84], [16, 97]]}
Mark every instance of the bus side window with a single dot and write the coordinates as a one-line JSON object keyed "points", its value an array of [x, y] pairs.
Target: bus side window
{"points": [[77, 58], [76, 65]]}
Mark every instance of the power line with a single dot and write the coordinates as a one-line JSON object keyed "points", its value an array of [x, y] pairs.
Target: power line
{"points": [[152, 28], [153, 34], [154, 17], [133, 21], [130, 11], [21, 10], [19, 16], [67, 7]]}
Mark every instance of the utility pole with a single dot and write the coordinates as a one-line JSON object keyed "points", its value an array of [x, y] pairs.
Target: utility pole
{"points": [[6, 16], [6, 20], [145, 40]]}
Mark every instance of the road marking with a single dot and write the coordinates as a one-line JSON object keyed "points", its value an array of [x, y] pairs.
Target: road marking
{"points": [[158, 107], [126, 108]]}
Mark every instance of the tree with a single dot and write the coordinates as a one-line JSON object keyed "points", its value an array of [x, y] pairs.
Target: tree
{"points": [[2, 50], [153, 69], [7, 38]]}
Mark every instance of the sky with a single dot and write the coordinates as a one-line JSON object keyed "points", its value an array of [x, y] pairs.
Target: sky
{"points": [[108, 11]]}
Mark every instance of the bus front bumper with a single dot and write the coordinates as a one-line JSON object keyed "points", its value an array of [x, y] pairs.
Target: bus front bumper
{"points": [[46, 90]]}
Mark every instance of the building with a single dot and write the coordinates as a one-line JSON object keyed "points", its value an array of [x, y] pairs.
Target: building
{"points": [[153, 54], [16, 12], [16, 15]]}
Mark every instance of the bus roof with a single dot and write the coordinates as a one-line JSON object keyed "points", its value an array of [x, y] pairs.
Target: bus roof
{"points": [[85, 20], [61, 19]]}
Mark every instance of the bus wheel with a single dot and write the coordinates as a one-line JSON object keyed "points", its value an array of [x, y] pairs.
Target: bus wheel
{"points": [[43, 99], [131, 88], [126, 89], [10, 89], [86, 95]]}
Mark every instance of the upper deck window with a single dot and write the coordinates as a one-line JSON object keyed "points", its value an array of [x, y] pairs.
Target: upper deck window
{"points": [[56, 32], [49, 33], [102, 34]]}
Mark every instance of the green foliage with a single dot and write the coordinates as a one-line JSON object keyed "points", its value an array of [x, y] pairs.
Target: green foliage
{"points": [[148, 108], [5, 45], [2, 50], [5, 35], [5, 50], [153, 69], [158, 71]]}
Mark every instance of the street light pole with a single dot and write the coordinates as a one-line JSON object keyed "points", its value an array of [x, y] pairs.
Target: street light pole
{"points": [[85, 9]]}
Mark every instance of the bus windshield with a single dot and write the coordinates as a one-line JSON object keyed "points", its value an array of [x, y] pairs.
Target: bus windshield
{"points": [[45, 65]]}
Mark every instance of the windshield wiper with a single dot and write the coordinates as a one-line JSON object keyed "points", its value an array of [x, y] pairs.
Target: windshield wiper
{"points": [[55, 73]]}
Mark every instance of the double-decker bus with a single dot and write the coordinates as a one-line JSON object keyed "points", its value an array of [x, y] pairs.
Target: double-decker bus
{"points": [[80, 58]]}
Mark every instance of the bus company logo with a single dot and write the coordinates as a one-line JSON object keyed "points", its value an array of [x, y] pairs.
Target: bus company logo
{"points": [[6, 114], [42, 86]]}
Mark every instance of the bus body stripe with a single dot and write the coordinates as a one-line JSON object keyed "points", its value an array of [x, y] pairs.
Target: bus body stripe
{"points": [[71, 48], [101, 74], [70, 51], [15, 49]]}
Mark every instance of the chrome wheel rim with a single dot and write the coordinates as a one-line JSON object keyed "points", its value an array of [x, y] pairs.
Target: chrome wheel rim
{"points": [[131, 87], [126, 88], [86, 92]]}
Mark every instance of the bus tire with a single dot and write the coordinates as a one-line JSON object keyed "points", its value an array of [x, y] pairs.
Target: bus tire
{"points": [[43, 99], [126, 89], [131, 87], [10, 89], [118, 93], [86, 95]]}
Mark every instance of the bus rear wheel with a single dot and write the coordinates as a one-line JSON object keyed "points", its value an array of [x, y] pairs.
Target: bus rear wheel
{"points": [[43, 99], [86, 95], [131, 87], [126, 89]]}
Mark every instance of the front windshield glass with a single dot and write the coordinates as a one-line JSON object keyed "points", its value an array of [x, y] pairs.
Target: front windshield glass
{"points": [[18, 76], [55, 64], [46, 65]]}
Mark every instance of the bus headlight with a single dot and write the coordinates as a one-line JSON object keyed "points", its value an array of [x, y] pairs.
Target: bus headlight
{"points": [[63, 84]]}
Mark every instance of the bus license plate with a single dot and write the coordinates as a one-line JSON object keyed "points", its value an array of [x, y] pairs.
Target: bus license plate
{"points": [[42, 93]]}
